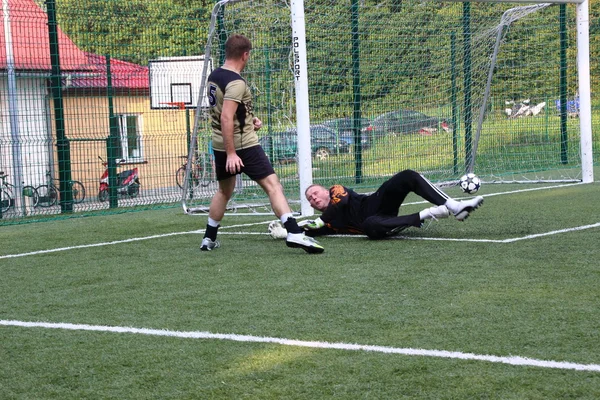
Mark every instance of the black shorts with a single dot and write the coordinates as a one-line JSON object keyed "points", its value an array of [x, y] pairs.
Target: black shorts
{"points": [[256, 163]]}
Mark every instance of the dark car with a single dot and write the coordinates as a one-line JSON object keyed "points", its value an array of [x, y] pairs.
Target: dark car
{"points": [[408, 121], [345, 128], [282, 146]]}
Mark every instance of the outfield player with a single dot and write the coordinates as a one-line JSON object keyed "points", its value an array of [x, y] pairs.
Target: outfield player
{"points": [[236, 147], [376, 215]]}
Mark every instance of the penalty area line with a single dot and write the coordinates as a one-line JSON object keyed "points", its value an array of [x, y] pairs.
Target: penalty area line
{"points": [[115, 242], [556, 232], [85, 246], [511, 360], [510, 240], [200, 231]]}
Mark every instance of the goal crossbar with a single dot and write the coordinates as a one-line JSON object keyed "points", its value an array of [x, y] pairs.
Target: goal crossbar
{"points": [[522, 1]]}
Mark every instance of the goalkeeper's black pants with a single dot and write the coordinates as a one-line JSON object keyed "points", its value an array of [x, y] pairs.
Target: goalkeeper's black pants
{"points": [[392, 193], [384, 204], [381, 226]]}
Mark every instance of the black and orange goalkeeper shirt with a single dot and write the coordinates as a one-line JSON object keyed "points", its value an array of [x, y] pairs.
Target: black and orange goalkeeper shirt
{"points": [[346, 211]]}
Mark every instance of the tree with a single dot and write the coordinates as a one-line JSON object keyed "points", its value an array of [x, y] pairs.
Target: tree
{"points": [[135, 30]]}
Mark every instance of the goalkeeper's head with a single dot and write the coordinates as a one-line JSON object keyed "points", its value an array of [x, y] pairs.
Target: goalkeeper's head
{"points": [[317, 196]]}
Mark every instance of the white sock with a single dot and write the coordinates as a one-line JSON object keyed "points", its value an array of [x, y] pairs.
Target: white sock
{"points": [[213, 223], [285, 217], [425, 214], [452, 205]]}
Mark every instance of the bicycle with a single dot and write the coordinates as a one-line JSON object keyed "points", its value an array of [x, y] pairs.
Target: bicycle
{"points": [[202, 171], [48, 194], [7, 194]]}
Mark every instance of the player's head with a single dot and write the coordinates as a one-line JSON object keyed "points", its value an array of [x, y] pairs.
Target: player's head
{"points": [[317, 196], [237, 47]]}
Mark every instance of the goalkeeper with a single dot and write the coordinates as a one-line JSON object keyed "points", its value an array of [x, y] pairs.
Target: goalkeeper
{"points": [[376, 215]]}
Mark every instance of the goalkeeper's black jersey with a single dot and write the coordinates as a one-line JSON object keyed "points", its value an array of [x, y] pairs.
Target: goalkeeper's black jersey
{"points": [[347, 210]]}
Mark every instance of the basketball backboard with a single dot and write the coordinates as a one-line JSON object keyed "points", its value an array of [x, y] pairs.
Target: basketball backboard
{"points": [[176, 80]]}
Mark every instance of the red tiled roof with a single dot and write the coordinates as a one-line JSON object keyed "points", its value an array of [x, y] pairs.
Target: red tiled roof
{"points": [[123, 74], [30, 42], [31, 51]]}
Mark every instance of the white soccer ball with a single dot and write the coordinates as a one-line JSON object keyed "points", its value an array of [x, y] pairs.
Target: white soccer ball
{"points": [[470, 183]]}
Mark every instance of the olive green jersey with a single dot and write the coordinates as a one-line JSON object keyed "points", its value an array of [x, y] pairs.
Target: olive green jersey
{"points": [[224, 84]]}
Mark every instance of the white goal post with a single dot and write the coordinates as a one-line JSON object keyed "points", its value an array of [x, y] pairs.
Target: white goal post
{"points": [[583, 68], [302, 107]]}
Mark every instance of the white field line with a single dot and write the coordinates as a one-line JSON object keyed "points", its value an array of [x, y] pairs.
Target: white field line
{"points": [[84, 246], [510, 192], [512, 360], [510, 240], [537, 235]]}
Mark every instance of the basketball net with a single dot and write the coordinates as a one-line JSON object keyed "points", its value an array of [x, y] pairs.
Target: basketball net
{"points": [[171, 114]]}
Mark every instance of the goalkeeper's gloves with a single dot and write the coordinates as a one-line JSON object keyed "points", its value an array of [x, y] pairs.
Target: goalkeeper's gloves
{"points": [[305, 222], [277, 231], [308, 225]]}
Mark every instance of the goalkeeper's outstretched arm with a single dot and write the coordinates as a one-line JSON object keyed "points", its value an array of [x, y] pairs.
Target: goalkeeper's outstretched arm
{"points": [[320, 232], [277, 231], [315, 227]]}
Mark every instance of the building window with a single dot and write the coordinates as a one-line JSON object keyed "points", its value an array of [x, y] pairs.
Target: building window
{"points": [[130, 135]]}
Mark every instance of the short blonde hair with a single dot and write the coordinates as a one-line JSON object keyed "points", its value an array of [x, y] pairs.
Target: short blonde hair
{"points": [[312, 186]]}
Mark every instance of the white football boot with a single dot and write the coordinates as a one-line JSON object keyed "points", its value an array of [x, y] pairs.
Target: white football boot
{"points": [[466, 207], [304, 242], [208, 244]]}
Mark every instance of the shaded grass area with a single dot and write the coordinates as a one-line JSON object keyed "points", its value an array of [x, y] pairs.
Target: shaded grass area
{"points": [[533, 298]]}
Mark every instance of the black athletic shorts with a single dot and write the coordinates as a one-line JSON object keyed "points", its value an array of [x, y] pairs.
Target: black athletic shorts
{"points": [[256, 163]]}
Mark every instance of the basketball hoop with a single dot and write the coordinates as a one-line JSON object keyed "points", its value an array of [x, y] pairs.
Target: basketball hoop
{"points": [[172, 114], [179, 104], [177, 79]]}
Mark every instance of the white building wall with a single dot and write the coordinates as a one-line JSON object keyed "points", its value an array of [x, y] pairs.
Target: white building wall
{"points": [[35, 141]]}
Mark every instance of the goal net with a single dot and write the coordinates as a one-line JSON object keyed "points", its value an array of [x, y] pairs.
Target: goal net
{"points": [[438, 87]]}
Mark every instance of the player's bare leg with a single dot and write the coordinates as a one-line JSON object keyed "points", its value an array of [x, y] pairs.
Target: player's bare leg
{"points": [[218, 205]]}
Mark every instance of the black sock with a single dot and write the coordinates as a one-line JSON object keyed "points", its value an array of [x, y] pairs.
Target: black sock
{"points": [[292, 226], [211, 232]]}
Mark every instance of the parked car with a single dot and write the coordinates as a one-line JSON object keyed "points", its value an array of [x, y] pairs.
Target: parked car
{"points": [[282, 146], [345, 128], [408, 121]]}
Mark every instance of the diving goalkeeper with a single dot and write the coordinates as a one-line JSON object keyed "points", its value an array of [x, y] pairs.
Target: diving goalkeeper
{"points": [[376, 215]]}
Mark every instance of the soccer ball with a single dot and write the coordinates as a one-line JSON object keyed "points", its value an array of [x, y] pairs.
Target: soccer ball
{"points": [[470, 183]]}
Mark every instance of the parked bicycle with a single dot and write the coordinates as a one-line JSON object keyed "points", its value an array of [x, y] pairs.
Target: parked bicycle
{"points": [[49, 193], [202, 171], [7, 197]]}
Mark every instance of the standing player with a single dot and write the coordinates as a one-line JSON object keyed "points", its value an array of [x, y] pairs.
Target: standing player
{"points": [[236, 147]]}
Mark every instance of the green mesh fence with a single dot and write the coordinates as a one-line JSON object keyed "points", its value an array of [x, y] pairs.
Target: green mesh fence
{"points": [[92, 90]]}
